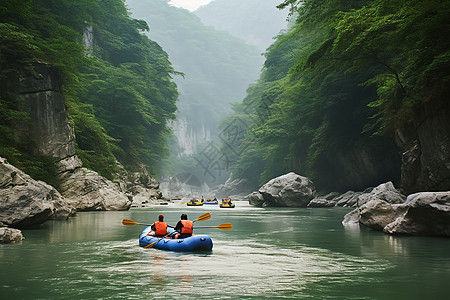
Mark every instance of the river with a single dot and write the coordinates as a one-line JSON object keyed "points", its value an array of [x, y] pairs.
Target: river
{"points": [[271, 253]]}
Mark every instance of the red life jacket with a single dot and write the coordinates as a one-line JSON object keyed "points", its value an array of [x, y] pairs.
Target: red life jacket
{"points": [[160, 228], [188, 226]]}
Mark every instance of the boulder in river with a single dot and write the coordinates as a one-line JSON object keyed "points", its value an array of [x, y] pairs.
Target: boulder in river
{"points": [[10, 235], [426, 213], [26, 202], [255, 199], [289, 190], [385, 191]]}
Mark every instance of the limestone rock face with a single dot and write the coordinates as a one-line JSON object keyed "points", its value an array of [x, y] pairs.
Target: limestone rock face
{"points": [[289, 190], [48, 129], [426, 149], [86, 190], [25, 202], [10, 235], [50, 134]]}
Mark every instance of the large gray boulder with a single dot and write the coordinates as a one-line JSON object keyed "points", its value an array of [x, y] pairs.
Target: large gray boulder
{"points": [[10, 235], [255, 199], [289, 190], [347, 199], [385, 191], [426, 214], [86, 190], [25, 202], [376, 214], [374, 206], [328, 200]]}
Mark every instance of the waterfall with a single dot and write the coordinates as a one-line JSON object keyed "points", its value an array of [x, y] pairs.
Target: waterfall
{"points": [[88, 40]]}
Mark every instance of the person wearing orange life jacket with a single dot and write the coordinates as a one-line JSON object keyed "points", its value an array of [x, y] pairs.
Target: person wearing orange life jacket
{"points": [[160, 227], [185, 227]]}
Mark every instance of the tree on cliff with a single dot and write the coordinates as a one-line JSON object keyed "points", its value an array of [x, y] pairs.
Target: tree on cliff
{"points": [[119, 92], [336, 85]]}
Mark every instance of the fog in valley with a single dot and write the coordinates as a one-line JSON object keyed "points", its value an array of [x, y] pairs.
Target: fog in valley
{"points": [[219, 49]]}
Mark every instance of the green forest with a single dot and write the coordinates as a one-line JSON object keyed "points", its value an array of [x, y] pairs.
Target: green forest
{"points": [[119, 91], [337, 86], [337, 90]]}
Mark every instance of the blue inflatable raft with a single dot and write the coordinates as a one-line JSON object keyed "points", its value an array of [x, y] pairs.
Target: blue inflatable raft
{"points": [[193, 243], [210, 203]]}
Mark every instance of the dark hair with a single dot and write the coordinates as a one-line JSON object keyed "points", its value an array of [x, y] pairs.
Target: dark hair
{"points": [[183, 217], [161, 218]]}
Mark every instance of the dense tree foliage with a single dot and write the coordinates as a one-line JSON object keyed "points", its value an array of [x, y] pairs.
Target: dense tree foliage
{"points": [[335, 87], [119, 90]]}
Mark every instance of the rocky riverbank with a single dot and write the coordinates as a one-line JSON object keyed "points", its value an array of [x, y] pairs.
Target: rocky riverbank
{"points": [[382, 208], [27, 203]]}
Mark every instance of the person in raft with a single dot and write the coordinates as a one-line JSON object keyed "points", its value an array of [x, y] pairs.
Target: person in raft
{"points": [[185, 227], [160, 227]]}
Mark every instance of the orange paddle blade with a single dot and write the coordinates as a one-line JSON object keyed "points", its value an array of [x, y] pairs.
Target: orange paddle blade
{"points": [[224, 226], [131, 222], [128, 222], [203, 217]]}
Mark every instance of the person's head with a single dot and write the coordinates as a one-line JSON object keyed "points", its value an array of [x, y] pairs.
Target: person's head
{"points": [[183, 217], [161, 218]]}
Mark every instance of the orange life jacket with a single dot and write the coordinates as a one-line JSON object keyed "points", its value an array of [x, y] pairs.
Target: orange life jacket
{"points": [[188, 226], [160, 228]]}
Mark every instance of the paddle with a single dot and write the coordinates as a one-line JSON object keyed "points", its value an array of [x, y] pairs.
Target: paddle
{"points": [[131, 222], [224, 226], [201, 218]]}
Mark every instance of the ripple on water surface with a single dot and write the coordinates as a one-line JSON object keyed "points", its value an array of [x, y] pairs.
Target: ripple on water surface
{"points": [[250, 269]]}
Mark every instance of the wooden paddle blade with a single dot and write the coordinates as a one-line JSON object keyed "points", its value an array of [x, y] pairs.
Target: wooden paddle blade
{"points": [[203, 217], [128, 222], [225, 226]]}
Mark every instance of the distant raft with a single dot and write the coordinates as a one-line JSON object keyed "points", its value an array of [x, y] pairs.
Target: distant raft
{"points": [[226, 203], [195, 243], [194, 203], [210, 202]]}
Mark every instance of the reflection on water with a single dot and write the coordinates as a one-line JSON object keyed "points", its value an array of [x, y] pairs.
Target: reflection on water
{"points": [[269, 253]]}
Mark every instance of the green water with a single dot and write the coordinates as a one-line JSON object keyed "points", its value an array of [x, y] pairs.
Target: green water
{"points": [[269, 254]]}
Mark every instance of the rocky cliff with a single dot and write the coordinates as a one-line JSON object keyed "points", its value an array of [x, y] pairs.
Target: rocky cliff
{"points": [[425, 144], [48, 132]]}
